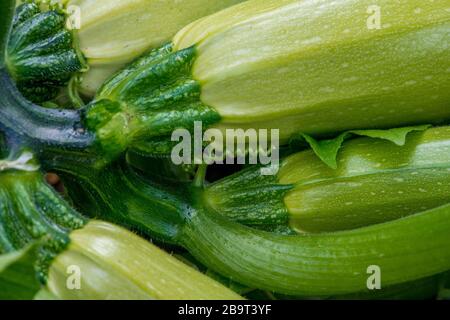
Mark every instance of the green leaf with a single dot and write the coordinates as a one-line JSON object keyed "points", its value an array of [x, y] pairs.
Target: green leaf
{"points": [[18, 279], [327, 150], [6, 14]]}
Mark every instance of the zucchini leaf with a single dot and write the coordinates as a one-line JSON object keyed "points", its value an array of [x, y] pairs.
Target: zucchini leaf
{"points": [[18, 279], [327, 150], [6, 14]]}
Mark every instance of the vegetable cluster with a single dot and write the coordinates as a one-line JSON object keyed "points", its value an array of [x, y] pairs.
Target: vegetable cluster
{"points": [[364, 121]]}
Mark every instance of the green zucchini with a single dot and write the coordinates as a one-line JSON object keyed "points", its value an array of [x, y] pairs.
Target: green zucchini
{"points": [[144, 103], [117, 194], [312, 265], [114, 263], [109, 36], [322, 264], [46, 49], [297, 66], [375, 181], [423, 289]]}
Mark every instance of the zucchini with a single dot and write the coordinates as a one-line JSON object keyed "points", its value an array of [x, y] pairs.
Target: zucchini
{"points": [[117, 264], [312, 265], [113, 33], [322, 264], [110, 34], [375, 181], [164, 90], [297, 66]]}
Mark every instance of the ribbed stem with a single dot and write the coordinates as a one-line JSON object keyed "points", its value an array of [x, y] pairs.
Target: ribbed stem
{"points": [[30, 210], [249, 198], [147, 101], [118, 194]]}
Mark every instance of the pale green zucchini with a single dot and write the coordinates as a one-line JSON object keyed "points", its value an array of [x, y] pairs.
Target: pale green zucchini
{"points": [[114, 32], [299, 66], [322, 264], [375, 181], [112, 262]]}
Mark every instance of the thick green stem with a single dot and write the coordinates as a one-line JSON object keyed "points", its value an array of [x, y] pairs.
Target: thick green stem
{"points": [[53, 134], [317, 265], [249, 198]]}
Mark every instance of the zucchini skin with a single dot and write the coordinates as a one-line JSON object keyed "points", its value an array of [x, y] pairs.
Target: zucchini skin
{"points": [[322, 264], [50, 54], [423, 289], [24, 12], [40, 54], [30, 210], [315, 66], [376, 181]]}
